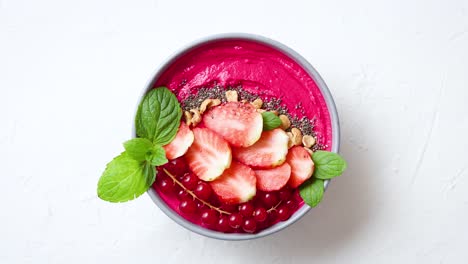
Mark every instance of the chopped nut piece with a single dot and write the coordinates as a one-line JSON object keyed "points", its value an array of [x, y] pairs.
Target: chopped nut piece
{"points": [[309, 150], [290, 142], [215, 102], [196, 117], [243, 101], [208, 103], [261, 110], [231, 96], [257, 103], [188, 118], [285, 123], [296, 136], [308, 141]]}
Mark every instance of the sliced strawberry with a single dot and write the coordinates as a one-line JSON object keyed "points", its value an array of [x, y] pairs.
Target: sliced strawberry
{"points": [[209, 155], [182, 141], [238, 123], [236, 185], [273, 179], [270, 151], [301, 164]]}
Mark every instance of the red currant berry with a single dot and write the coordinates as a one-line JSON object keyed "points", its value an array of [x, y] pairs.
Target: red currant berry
{"points": [[200, 205], [203, 191], [249, 225], [177, 166], [272, 216], [190, 181], [187, 206], [260, 214], [235, 220], [285, 193], [182, 194], [209, 217], [246, 209], [166, 185], [180, 177], [223, 224], [214, 201], [229, 208], [269, 199], [291, 204], [283, 213]]}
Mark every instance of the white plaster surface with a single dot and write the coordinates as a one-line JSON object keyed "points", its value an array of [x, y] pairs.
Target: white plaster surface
{"points": [[71, 73]]}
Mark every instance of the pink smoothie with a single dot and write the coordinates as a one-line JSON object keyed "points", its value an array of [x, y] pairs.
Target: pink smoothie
{"points": [[256, 67]]}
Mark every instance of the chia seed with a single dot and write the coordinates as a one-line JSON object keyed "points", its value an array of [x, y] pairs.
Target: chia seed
{"points": [[303, 123], [275, 104]]}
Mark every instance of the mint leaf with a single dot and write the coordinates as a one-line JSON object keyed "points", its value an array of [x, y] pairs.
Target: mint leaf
{"points": [[139, 148], [311, 191], [270, 121], [158, 156], [125, 179], [328, 164], [158, 116], [142, 149]]}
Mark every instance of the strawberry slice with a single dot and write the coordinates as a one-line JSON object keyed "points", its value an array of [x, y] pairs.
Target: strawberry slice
{"points": [[182, 141], [270, 151], [273, 179], [209, 155], [301, 164], [238, 123], [236, 185]]}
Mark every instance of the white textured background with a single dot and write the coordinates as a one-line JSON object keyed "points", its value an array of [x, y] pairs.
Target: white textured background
{"points": [[71, 73]]}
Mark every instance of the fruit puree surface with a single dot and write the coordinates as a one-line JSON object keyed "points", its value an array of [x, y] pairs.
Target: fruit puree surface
{"points": [[257, 68]]}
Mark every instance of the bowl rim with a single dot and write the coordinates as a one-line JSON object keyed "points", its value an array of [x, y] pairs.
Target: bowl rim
{"points": [[307, 67]]}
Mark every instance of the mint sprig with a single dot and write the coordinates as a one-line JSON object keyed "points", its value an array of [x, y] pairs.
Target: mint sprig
{"points": [[327, 165], [142, 149], [270, 121], [132, 173], [139, 149]]}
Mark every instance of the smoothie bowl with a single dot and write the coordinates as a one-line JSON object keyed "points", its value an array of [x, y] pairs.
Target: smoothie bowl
{"points": [[235, 138]]}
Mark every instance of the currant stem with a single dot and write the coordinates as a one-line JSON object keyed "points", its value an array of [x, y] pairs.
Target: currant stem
{"points": [[194, 195], [274, 207]]}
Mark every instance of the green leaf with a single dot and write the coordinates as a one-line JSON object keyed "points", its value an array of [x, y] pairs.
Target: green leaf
{"points": [[125, 179], [158, 116], [328, 164], [270, 121], [138, 148], [158, 156], [142, 149], [311, 191]]}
